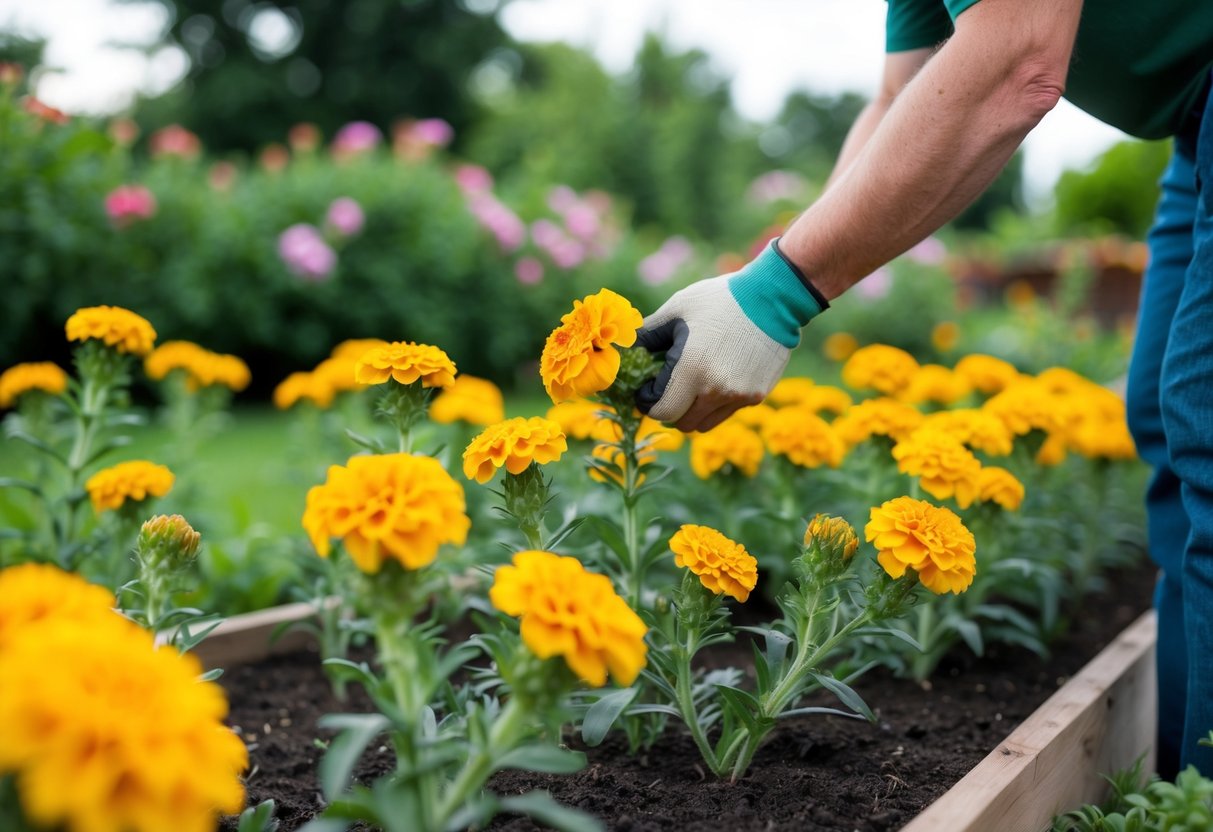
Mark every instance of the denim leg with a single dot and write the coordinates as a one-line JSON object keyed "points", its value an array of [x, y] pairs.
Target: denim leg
{"points": [[1170, 242], [1187, 410]]}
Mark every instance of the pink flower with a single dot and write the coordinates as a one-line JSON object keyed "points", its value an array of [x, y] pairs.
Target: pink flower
{"points": [[876, 285], [930, 252], [529, 271], [432, 131], [778, 186], [174, 140], [582, 221], [345, 216], [546, 233], [306, 253], [567, 253], [499, 220], [473, 179], [129, 203], [222, 176], [665, 262], [355, 138], [562, 198]]}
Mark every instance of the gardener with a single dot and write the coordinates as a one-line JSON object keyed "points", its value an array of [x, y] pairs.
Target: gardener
{"points": [[964, 81]]}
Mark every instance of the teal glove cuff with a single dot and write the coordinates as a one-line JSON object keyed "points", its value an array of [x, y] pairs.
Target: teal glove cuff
{"points": [[776, 297]]}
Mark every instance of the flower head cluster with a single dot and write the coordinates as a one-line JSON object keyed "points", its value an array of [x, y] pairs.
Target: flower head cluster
{"points": [[913, 534], [202, 367], [978, 429], [945, 467], [110, 488], [580, 356], [879, 367], [396, 506], [406, 362], [34, 592], [802, 392], [114, 326], [1098, 428], [513, 445], [569, 612], [722, 565], [936, 383], [985, 373], [998, 485], [476, 401], [877, 417], [303, 386], [20, 379], [803, 437], [729, 443], [330, 377], [580, 418], [1028, 405]]}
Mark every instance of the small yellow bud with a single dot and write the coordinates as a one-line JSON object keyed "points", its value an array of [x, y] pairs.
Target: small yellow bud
{"points": [[834, 537], [168, 539]]}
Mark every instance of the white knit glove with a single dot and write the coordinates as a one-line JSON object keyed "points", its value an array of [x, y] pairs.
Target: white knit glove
{"points": [[726, 341]]}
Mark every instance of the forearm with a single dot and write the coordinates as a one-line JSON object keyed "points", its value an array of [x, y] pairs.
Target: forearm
{"points": [[857, 138]]}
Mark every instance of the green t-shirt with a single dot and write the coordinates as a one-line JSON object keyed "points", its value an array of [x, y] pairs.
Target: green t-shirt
{"points": [[1139, 66]]}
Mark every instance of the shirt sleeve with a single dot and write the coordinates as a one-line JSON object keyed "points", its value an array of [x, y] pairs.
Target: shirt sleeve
{"points": [[916, 24]]}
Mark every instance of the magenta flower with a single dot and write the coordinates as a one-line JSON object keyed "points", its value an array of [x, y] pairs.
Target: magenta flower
{"points": [[356, 137], [665, 262], [473, 179], [930, 252], [562, 198], [305, 252], [495, 217], [432, 131], [345, 216], [876, 285], [129, 203], [529, 271]]}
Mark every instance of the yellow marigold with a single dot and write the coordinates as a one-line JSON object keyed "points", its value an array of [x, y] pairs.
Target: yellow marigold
{"points": [[998, 485], [877, 417], [975, 428], [355, 348], [651, 436], [34, 592], [579, 419], [729, 443], [334, 375], [406, 362], [803, 437], [839, 346], [832, 535], [22, 378], [136, 480], [579, 357], [879, 367], [202, 367], [1052, 452], [945, 467], [303, 386], [945, 335], [1065, 380], [802, 392], [1102, 438], [395, 506], [723, 565], [936, 383], [790, 391], [754, 416], [931, 540], [105, 731], [513, 445], [1028, 405], [569, 612], [116, 327], [476, 401], [986, 373]]}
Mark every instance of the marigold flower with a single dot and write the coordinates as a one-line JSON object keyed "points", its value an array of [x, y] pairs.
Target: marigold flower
{"points": [[803, 437], [986, 373], [1028, 405], [929, 539], [580, 356], [580, 418], [754, 416], [723, 565], [729, 443], [476, 401], [355, 348], [1052, 452], [34, 592], [168, 539], [103, 730], [1102, 439], [569, 612], [114, 326], [406, 362], [37, 375], [802, 392], [977, 429], [110, 488], [945, 335], [202, 367], [879, 367], [832, 535], [303, 386], [998, 485], [790, 391], [513, 445], [877, 417], [396, 506], [335, 375], [936, 383], [839, 346], [945, 467]]}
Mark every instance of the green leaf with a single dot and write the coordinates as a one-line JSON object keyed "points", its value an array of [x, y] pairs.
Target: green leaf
{"points": [[901, 635], [540, 806], [369, 443], [545, 759], [357, 731], [564, 531], [37, 443], [610, 536], [811, 711], [259, 818], [971, 633], [742, 705], [845, 694], [603, 713], [24, 485], [211, 675]]}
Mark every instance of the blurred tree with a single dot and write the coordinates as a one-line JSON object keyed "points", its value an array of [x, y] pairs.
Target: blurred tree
{"points": [[257, 68], [1116, 194]]}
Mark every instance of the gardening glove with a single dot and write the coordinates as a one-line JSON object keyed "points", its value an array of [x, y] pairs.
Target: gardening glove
{"points": [[726, 341]]}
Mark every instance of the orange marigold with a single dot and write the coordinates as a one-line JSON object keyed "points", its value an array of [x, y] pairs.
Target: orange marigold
{"points": [[879, 367], [580, 418], [977, 429], [729, 443], [580, 356], [34, 592], [998, 485], [114, 326], [303, 386], [877, 417], [936, 383], [945, 467], [1028, 405], [202, 367], [986, 373], [513, 445], [406, 362], [931, 540], [476, 401], [722, 565], [110, 488], [19, 379], [839, 346], [803, 437]]}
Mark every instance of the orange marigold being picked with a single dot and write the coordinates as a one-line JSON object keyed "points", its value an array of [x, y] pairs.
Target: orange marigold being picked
{"points": [[803, 437], [944, 467], [406, 362], [580, 356], [513, 445], [936, 383], [975, 428], [998, 485], [986, 373], [34, 592], [114, 326], [879, 367], [391, 506], [931, 540], [580, 418], [45, 376], [722, 565], [476, 401], [729, 443], [569, 612], [303, 386], [877, 417], [110, 488]]}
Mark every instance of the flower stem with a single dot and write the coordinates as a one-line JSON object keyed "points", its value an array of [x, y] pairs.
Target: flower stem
{"points": [[686, 703], [504, 735]]}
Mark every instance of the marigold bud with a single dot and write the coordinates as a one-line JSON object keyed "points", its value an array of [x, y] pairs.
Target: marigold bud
{"points": [[168, 539], [834, 537]]}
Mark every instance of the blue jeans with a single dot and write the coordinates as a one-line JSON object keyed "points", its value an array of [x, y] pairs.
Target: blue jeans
{"points": [[1170, 403]]}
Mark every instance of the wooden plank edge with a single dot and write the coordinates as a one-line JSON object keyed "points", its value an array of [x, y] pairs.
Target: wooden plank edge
{"points": [[1100, 721], [249, 637]]}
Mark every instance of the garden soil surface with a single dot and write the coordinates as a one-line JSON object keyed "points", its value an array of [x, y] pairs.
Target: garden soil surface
{"points": [[816, 772]]}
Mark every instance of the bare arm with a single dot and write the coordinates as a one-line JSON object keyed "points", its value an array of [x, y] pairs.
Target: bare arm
{"points": [[943, 140]]}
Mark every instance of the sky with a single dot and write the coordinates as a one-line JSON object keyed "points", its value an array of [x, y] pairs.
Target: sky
{"points": [[768, 47]]}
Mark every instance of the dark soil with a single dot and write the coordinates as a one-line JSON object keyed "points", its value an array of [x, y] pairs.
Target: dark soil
{"points": [[818, 772]]}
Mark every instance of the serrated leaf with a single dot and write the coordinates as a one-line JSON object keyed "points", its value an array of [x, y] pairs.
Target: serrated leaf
{"points": [[602, 714], [845, 694], [545, 759]]}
